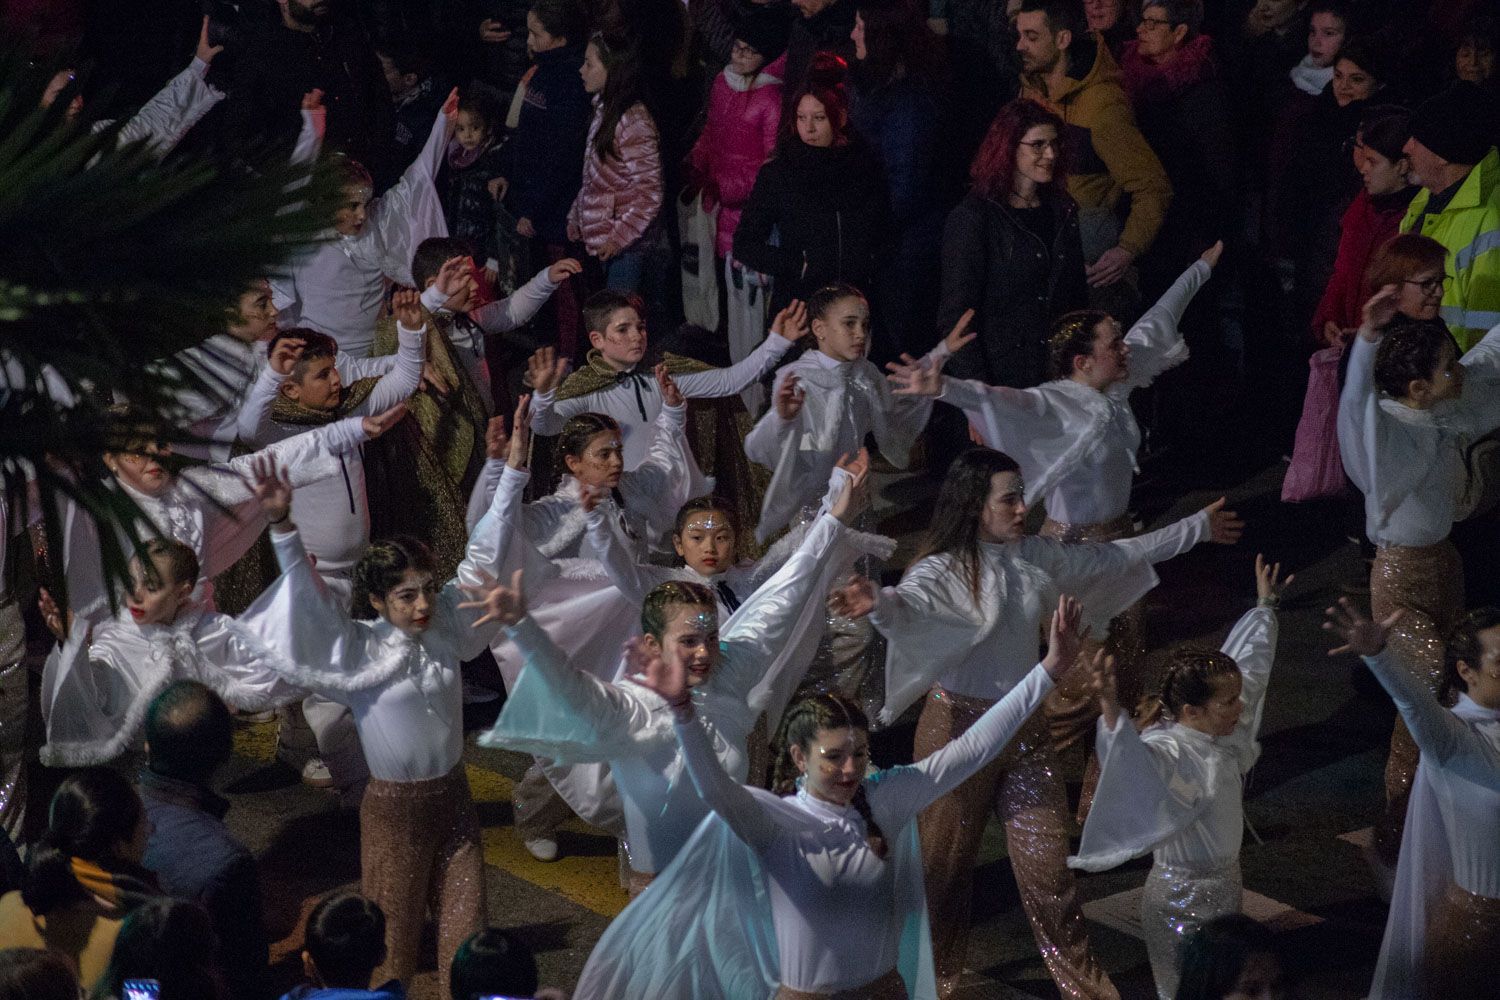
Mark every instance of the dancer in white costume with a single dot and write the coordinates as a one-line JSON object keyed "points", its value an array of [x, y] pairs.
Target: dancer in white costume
{"points": [[100, 679], [1444, 925], [961, 630], [560, 711], [1177, 788], [816, 895], [1076, 439]]}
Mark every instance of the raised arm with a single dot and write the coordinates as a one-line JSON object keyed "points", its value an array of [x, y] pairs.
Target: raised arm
{"points": [[1442, 737], [725, 796], [1155, 341], [177, 107], [397, 385], [1211, 524], [547, 370], [517, 308], [789, 324], [411, 211]]}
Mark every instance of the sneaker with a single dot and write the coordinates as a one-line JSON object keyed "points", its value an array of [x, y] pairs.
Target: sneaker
{"points": [[315, 774], [542, 848]]}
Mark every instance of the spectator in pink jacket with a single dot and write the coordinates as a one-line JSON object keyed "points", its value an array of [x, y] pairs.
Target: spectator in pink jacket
{"points": [[621, 196], [744, 111]]}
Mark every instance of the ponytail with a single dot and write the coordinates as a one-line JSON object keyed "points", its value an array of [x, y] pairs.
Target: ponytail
{"points": [[91, 813], [799, 727], [1191, 675]]}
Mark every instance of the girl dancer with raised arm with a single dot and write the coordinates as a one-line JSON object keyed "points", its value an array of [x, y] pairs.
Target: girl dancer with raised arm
{"points": [[575, 603], [101, 678], [803, 434], [821, 890], [557, 709], [1076, 438], [397, 668], [1443, 931], [961, 629], [1409, 411], [1177, 788]]}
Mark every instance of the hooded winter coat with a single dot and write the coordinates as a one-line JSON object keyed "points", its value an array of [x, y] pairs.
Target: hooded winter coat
{"points": [[1108, 156], [829, 209], [737, 139]]}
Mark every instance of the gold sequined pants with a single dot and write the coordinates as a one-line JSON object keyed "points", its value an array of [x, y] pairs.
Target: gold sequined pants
{"points": [[1463, 938], [419, 847], [888, 987], [1026, 792], [1428, 583], [1072, 707]]}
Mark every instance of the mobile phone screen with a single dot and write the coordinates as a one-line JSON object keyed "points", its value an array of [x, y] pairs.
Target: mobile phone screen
{"points": [[141, 989]]}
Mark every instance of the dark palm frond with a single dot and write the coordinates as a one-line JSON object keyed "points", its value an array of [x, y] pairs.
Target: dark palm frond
{"points": [[114, 264]]}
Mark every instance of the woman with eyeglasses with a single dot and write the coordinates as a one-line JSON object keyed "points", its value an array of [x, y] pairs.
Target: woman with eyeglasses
{"points": [[1170, 72], [1011, 250]]}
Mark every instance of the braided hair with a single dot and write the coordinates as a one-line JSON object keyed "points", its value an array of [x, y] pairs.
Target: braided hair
{"points": [[1192, 675], [1073, 334], [576, 435], [800, 727]]}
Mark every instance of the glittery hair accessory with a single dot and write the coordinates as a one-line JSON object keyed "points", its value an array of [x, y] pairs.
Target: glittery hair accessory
{"points": [[708, 523], [1067, 330], [708, 621]]}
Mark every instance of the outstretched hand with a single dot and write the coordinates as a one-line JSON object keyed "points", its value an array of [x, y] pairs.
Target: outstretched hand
{"points": [[450, 108], [378, 423], [1212, 254], [791, 322], [206, 50], [1378, 312], [645, 665], [1361, 636], [272, 487], [789, 398], [1224, 526], [496, 438], [57, 623], [959, 336], [562, 270], [855, 599], [913, 377], [1102, 682], [406, 304], [1268, 585], [285, 354], [506, 605], [670, 394], [545, 370], [854, 498], [1065, 637], [519, 453]]}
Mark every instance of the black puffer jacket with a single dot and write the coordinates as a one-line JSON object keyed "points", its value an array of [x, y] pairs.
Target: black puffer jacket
{"points": [[829, 209], [1016, 282]]}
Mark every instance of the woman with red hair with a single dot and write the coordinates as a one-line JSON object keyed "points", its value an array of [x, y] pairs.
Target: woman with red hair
{"points": [[822, 194], [1011, 250]]}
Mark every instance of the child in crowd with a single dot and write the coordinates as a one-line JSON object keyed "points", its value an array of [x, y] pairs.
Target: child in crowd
{"points": [[621, 194], [617, 380], [98, 682], [544, 156], [342, 947], [1328, 25], [1177, 788], [805, 432], [474, 179], [338, 286], [462, 309]]}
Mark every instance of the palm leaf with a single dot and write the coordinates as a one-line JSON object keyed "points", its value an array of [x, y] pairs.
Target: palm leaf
{"points": [[114, 264]]}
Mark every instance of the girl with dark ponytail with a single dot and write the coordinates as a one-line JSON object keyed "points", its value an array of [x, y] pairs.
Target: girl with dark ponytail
{"points": [[84, 875], [1177, 788], [840, 855]]}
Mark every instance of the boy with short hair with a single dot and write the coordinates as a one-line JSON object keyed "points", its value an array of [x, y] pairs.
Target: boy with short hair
{"points": [[343, 946], [617, 379]]}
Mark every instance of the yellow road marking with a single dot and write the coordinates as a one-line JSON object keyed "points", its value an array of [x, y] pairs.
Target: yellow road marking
{"points": [[591, 881]]}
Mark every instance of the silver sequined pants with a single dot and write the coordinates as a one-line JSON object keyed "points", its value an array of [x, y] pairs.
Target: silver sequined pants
{"points": [[1176, 901]]}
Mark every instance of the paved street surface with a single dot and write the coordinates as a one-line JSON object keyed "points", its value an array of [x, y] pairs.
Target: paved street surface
{"points": [[1318, 783]]}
